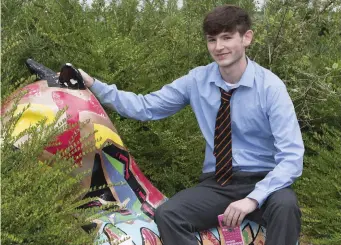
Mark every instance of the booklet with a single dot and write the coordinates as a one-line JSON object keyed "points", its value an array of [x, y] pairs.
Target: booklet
{"points": [[232, 236]]}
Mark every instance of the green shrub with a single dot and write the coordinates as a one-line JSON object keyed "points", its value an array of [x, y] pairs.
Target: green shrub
{"points": [[319, 189], [38, 198], [141, 47]]}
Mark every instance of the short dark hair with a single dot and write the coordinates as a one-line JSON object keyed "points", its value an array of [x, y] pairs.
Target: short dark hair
{"points": [[226, 18]]}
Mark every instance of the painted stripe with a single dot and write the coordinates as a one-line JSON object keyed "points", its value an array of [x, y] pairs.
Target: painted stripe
{"points": [[103, 133]]}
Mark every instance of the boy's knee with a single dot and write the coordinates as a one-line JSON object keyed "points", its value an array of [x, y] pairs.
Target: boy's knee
{"points": [[163, 212], [285, 201]]}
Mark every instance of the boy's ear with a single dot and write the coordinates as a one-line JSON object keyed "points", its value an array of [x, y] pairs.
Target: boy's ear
{"points": [[247, 38]]}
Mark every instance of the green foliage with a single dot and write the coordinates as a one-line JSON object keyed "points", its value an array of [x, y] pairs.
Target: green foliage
{"points": [[38, 198], [142, 45], [319, 189], [301, 42], [164, 154]]}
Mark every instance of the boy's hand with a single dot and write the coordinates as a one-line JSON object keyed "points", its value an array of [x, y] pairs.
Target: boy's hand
{"points": [[236, 211], [88, 80]]}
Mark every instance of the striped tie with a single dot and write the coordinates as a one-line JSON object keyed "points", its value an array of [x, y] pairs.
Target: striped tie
{"points": [[223, 140]]}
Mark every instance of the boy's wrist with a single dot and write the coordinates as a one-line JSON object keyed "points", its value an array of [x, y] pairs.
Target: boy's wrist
{"points": [[90, 81], [87, 79]]}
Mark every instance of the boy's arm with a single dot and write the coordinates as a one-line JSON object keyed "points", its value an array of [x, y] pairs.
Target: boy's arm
{"points": [[288, 143], [156, 105]]}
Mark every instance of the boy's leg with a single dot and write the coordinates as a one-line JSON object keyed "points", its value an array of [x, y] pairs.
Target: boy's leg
{"points": [[283, 218], [188, 211], [197, 208]]}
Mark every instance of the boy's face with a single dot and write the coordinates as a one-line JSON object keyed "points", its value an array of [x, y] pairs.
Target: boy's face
{"points": [[228, 48]]}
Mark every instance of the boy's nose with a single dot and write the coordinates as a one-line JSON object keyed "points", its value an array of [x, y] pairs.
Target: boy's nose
{"points": [[219, 45]]}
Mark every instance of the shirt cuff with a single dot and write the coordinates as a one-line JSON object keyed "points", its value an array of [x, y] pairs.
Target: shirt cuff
{"points": [[97, 87], [258, 195]]}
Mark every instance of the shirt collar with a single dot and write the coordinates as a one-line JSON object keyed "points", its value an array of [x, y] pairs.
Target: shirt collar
{"points": [[247, 78]]}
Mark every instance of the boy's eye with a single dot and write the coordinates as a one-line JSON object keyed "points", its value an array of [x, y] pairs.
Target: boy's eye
{"points": [[210, 40]]}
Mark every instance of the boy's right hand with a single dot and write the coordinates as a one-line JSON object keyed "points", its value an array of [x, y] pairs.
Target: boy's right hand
{"points": [[88, 80]]}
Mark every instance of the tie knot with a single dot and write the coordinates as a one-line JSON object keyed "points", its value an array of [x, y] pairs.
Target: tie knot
{"points": [[226, 96]]}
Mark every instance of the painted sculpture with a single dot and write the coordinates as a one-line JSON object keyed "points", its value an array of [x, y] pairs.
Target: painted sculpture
{"points": [[109, 163]]}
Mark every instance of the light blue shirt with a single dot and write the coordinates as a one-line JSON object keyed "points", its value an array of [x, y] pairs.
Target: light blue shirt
{"points": [[265, 132]]}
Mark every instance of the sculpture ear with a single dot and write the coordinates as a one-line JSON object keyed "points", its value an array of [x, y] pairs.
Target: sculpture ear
{"points": [[70, 77], [42, 72]]}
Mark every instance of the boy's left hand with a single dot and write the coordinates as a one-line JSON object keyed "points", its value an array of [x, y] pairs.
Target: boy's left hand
{"points": [[236, 211]]}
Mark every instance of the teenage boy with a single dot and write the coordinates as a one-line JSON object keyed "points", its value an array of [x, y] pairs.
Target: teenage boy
{"points": [[254, 147]]}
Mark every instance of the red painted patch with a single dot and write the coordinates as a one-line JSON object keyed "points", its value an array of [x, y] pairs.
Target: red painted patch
{"points": [[32, 90], [111, 235], [150, 237], [207, 236], [154, 196], [146, 208], [125, 159], [75, 106]]}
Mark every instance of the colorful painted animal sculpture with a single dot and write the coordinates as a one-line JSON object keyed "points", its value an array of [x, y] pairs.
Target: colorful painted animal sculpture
{"points": [[109, 163]]}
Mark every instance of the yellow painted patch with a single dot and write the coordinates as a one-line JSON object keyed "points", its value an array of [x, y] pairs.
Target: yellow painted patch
{"points": [[31, 116], [103, 133]]}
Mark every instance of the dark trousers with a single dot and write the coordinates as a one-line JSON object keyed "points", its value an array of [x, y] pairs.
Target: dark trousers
{"points": [[195, 209]]}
